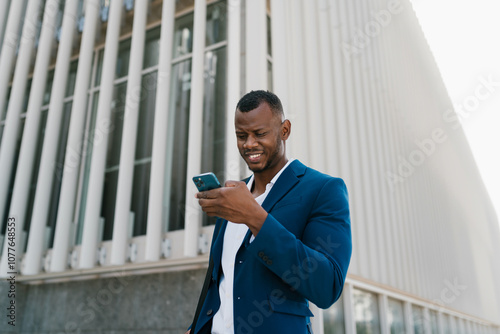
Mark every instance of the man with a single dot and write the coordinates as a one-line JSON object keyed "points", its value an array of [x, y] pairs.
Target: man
{"points": [[282, 238]]}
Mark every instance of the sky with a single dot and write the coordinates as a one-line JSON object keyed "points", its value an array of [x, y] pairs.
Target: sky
{"points": [[464, 36]]}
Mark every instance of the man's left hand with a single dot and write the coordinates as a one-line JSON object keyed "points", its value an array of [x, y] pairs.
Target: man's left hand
{"points": [[235, 203]]}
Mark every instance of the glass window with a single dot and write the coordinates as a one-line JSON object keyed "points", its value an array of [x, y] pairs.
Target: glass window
{"points": [[461, 326], [143, 151], [34, 175], [108, 202], [123, 60], [366, 313], [446, 324], [145, 127], [395, 316], [100, 59], [269, 76], [333, 318], [3, 224], [216, 24], [214, 118], [434, 322], [7, 99], [152, 48], [59, 166], [418, 319], [48, 87], [113, 159], [269, 37], [87, 157], [70, 85], [183, 36], [177, 141], [27, 95]]}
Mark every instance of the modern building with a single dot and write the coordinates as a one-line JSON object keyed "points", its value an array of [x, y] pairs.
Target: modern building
{"points": [[108, 107]]}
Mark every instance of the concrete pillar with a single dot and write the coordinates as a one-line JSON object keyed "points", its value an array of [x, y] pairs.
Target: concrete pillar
{"points": [[155, 228], [103, 120], [383, 306], [9, 48], [74, 145], [4, 14], [297, 145], [408, 318], [129, 135], [338, 74], [30, 142], [349, 316], [315, 109], [12, 121], [256, 45], [193, 212], [233, 159], [326, 82]]}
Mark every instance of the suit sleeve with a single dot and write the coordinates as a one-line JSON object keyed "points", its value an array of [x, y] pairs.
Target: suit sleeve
{"points": [[315, 265]]}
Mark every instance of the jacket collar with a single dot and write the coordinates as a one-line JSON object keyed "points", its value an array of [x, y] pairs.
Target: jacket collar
{"points": [[287, 180]]}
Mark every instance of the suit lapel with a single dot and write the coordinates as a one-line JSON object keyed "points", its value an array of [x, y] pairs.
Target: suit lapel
{"points": [[287, 180]]}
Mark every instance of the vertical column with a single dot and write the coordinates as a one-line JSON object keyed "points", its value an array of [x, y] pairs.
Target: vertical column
{"points": [[366, 206], [279, 46], [298, 118], [73, 155], [369, 125], [383, 307], [12, 122], [233, 87], [156, 186], [337, 73], [8, 51], [193, 212], [317, 146], [408, 318], [427, 321], [317, 320], [351, 131], [441, 323], [129, 135], [256, 45], [29, 143], [349, 318], [103, 120], [327, 92], [4, 8], [391, 144]]}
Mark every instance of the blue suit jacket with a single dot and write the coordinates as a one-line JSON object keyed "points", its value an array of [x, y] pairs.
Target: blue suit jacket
{"points": [[301, 254]]}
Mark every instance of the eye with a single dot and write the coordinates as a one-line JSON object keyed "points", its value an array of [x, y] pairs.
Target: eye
{"points": [[261, 134]]}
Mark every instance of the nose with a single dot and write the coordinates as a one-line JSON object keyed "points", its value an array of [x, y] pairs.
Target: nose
{"points": [[250, 142]]}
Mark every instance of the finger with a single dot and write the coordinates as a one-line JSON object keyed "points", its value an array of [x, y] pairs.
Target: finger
{"points": [[209, 194], [231, 183]]}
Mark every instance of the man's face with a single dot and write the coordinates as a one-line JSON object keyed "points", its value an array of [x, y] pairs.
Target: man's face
{"points": [[260, 135]]}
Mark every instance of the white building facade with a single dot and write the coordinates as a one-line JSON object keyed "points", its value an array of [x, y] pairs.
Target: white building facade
{"points": [[108, 107]]}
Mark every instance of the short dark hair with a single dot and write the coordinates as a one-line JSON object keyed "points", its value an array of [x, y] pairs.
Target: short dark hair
{"points": [[253, 99]]}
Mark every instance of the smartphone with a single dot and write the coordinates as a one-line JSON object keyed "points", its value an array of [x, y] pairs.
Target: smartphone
{"points": [[206, 181]]}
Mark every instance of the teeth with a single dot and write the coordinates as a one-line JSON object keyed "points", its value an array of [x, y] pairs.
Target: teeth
{"points": [[253, 156]]}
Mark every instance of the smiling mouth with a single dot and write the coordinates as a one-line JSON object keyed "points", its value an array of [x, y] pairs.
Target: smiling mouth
{"points": [[254, 157]]}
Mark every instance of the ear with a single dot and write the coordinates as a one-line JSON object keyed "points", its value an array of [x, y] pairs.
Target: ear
{"points": [[286, 128]]}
